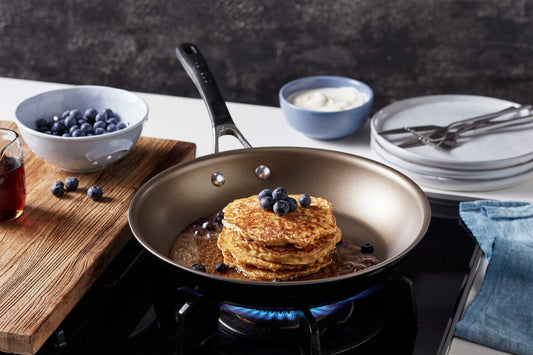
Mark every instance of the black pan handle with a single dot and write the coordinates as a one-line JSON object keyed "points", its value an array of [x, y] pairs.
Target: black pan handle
{"points": [[196, 67]]}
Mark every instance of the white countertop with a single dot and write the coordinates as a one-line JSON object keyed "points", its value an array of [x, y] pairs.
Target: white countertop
{"points": [[187, 119]]}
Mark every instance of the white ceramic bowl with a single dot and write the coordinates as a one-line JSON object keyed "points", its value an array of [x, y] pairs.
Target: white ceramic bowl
{"points": [[82, 154]]}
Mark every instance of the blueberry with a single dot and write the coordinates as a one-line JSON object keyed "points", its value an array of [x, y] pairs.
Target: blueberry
{"points": [[121, 125], [57, 190], [65, 114], [76, 113], [73, 128], [279, 193], [263, 193], [90, 114], [112, 120], [201, 221], [109, 113], [281, 208], [58, 127], [41, 122], [267, 203], [221, 267], [208, 225], [112, 128], [367, 248], [59, 183], [219, 217], [198, 267], [99, 131], [78, 133], [100, 117], [71, 183], [70, 121], [99, 124], [86, 128], [293, 205], [95, 192], [305, 200], [66, 135], [82, 121], [43, 129]]}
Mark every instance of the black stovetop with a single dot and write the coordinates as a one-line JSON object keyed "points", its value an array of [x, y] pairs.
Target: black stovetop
{"points": [[130, 310]]}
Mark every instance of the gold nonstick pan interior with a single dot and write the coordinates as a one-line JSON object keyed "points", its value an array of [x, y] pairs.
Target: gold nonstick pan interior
{"points": [[372, 203]]}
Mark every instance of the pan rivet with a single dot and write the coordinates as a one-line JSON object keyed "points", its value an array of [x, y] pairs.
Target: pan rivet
{"points": [[218, 179], [262, 172]]}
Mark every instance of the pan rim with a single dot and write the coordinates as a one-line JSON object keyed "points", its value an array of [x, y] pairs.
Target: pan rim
{"points": [[418, 192]]}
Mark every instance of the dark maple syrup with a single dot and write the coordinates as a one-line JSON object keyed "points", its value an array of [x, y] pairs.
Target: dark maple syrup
{"points": [[195, 245], [12, 188]]}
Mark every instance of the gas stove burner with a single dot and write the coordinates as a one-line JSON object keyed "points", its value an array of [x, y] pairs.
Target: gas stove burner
{"points": [[286, 325], [279, 325], [279, 316]]}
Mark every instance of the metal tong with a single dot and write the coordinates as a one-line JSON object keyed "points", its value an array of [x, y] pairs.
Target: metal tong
{"points": [[445, 137]]}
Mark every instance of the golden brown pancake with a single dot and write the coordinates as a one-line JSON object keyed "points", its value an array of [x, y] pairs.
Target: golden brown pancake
{"points": [[241, 256], [287, 255], [259, 274], [299, 228], [264, 246]]}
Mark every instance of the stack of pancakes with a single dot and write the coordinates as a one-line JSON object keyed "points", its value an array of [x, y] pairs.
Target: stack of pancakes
{"points": [[264, 246]]}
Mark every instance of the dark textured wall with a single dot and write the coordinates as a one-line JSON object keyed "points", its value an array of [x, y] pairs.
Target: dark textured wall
{"points": [[402, 48]]}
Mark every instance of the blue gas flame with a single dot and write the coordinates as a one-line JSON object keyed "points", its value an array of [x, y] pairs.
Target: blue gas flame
{"points": [[292, 314]]}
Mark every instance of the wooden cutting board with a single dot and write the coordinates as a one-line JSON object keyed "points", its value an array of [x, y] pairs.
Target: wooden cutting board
{"points": [[51, 255]]}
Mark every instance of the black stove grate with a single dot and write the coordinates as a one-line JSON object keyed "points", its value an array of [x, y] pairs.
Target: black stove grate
{"points": [[353, 326]]}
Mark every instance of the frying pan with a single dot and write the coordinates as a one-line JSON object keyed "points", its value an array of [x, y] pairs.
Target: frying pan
{"points": [[372, 203]]}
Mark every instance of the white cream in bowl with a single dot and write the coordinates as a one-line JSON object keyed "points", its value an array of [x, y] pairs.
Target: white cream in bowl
{"points": [[328, 99]]}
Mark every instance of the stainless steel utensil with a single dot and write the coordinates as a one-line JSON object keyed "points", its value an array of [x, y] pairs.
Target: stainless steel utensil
{"points": [[448, 140], [435, 129]]}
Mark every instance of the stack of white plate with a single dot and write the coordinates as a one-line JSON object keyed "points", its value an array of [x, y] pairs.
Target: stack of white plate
{"points": [[491, 161]]}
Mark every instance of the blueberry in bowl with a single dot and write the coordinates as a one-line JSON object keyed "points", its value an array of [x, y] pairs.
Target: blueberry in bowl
{"points": [[82, 128]]}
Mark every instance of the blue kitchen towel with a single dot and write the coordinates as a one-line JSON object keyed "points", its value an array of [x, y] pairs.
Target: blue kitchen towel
{"points": [[501, 315]]}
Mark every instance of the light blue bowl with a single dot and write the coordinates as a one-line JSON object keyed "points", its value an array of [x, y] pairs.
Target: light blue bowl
{"points": [[320, 124]]}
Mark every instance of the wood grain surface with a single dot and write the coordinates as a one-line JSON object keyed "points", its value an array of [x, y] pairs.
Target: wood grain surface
{"points": [[51, 255]]}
